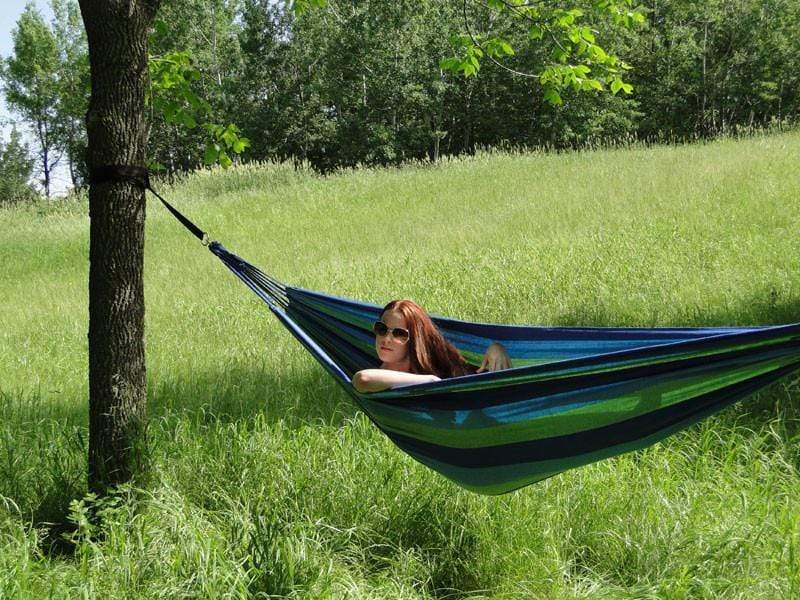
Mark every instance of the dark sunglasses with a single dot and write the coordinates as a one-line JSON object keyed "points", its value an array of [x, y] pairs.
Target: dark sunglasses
{"points": [[380, 328]]}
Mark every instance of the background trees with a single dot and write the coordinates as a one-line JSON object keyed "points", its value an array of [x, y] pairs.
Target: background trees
{"points": [[72, 84], [706, 68], [361, 82], [30, 87], [16, 168]]}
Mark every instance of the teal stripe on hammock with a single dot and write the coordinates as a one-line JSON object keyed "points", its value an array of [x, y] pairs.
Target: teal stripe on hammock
{"points": [[510, 411], [564, 370], [581, 444], [522, 353], [363, 320], [507, 478], [309, 325], [352, 335], [560, 414], [367, 346]]}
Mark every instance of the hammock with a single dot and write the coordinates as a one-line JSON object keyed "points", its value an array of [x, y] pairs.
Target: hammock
{"points": [[575, 395]]}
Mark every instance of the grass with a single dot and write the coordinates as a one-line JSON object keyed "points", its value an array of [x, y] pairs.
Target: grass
{"points": [[266, 481]]}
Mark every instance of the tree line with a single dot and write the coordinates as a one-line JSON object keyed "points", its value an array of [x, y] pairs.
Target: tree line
{"points": [[366, 82]]}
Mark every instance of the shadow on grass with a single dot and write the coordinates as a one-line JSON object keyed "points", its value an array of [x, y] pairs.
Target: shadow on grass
{"points": [[767, 308], [42, 469], [776, 408], [43, 447], [239, 395]]}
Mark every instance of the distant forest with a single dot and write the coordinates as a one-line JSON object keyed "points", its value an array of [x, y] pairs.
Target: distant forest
{"points": [[359, 82]]}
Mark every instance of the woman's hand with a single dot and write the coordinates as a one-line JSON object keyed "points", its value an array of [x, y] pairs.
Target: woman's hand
{"points": [[496, 359]]}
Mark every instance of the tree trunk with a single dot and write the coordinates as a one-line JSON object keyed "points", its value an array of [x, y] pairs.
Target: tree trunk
{"points": [[703, 120], [44, 140], [117, 134]]}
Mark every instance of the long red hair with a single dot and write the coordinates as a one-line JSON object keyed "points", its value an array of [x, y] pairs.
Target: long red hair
{"points": [[428, 351]]}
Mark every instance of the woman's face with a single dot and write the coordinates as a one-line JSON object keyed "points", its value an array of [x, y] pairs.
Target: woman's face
{"points": [[389, 348]]}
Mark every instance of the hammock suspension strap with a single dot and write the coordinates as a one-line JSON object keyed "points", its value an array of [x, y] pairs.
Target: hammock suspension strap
{"points": [[268, 288], [139, 176]]}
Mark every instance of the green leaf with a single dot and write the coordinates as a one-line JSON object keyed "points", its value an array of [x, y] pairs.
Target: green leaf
{"points": [[301, 6], [566, 20], [535, 32], [161, 28], [574, 35], [581, 70], [559, 55], [240, 144], [449, 64], [211, 154], [229, 137], [214, 129], [593, 84], [552, 96], [187, 120], [170, 112], [597, 53]]}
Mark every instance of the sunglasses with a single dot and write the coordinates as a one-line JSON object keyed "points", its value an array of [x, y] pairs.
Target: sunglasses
{"points": [[380, 328]]}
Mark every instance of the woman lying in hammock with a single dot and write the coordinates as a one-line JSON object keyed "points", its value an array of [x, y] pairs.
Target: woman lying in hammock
{"points": [[414, 351]]}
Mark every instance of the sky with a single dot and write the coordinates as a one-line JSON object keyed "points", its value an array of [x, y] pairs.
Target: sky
{"points": [[10, 12]]}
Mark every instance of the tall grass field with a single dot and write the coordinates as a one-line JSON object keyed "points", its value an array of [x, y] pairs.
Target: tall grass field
{"points": [[266, 481]]}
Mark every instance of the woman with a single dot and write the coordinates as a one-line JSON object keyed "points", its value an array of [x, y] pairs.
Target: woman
{"points": [[414, 351]]}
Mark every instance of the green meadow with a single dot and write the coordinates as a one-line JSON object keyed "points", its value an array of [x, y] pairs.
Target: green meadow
{"points": [[266, 481]]}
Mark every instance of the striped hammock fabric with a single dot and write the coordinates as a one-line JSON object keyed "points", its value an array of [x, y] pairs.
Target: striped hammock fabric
{"points": [[575, 395]]}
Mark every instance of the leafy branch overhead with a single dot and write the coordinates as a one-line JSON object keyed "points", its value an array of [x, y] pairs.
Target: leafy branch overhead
{"points": [[172, 95], [300, 6], [576, 59]]}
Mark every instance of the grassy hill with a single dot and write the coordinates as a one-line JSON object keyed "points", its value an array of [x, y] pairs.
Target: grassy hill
{"points": [[266, 480]]}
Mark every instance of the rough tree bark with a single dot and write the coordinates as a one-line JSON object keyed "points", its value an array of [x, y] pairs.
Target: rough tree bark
{"points": [[117, 134]]}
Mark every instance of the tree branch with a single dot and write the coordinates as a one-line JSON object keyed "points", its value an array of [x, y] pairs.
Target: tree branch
{"points": [[489, 56]]}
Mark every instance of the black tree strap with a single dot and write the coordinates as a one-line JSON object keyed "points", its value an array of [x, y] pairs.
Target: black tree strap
{"points": [[140, 177]]}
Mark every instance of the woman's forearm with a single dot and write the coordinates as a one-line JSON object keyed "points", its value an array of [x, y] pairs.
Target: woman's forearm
{"points": [[375, 380]]}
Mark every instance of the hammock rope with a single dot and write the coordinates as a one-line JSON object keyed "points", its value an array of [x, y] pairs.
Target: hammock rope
{"points": [[575, 395]]}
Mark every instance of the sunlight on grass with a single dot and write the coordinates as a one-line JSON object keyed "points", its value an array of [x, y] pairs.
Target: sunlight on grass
{"points": [[266, 480]]}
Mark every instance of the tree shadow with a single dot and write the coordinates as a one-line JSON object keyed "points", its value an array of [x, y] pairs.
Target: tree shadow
{"points": [[42, 469], [768, 308], [241, 395], [43, 448]]}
